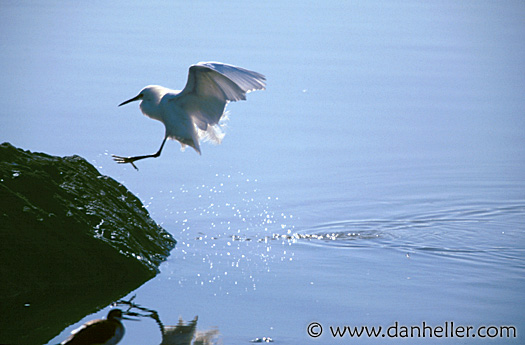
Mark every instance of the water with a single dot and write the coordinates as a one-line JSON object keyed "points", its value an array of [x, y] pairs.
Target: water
{"points": [[380, 178]]}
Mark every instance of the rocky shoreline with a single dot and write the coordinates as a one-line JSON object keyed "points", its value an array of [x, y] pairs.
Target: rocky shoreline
{"points": [[72, 240]]}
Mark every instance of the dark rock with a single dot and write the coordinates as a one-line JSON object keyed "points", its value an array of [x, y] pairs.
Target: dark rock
{"points": [[71, 240]]}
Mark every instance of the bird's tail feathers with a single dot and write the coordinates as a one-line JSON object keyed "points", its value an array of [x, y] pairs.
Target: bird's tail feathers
{"points": [[214, 133], [184, 142]]}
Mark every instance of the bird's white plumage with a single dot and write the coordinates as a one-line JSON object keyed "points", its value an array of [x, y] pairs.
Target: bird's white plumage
{"points": [[195, 112]]}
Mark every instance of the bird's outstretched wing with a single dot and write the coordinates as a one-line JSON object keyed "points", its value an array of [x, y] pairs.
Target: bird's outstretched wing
{"points": [[211, 85]]}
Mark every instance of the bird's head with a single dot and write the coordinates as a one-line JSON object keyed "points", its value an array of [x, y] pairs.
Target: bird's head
{"points": [[117, 314], [152, 93]]}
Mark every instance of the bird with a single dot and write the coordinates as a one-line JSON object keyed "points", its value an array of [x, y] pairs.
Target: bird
{"points": [[194, 113], [108, 331]]}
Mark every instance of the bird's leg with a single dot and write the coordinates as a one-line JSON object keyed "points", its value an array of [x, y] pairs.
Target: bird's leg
{"points": [[131, 160]]}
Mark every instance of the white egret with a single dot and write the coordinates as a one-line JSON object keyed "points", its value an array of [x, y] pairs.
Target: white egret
{"points": [[194, 113]]}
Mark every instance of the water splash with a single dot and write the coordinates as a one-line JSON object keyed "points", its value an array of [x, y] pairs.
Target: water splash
{"points": [[225, 230]]}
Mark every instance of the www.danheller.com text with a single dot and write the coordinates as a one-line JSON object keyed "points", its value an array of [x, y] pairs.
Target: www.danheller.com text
{"points": [[446, 330]]}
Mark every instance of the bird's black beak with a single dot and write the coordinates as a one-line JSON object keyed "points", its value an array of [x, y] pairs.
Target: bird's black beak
{"points": [[139, 97], [130, 318]]}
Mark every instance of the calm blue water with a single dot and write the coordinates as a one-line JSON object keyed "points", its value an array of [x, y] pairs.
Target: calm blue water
{"points": [[379, 178]]}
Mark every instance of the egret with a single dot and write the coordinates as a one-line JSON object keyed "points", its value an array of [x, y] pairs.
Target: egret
{"points": [[108, 331], [194, 112]]}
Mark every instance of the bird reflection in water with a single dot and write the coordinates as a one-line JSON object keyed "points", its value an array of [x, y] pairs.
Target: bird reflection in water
{"points": [[179, 334], [108, 331]]}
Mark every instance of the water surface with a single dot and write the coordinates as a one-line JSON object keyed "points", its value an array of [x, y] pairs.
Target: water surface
{"points": [[379, 178]]}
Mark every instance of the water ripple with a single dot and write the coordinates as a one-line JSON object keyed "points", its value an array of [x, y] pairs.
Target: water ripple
{"points": [[444, 232]]}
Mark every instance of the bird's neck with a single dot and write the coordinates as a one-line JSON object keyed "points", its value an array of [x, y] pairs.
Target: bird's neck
{"points": [[151, 109]]}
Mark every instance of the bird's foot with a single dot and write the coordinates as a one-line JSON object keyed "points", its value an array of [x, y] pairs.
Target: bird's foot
{"points": [[124, 160]]}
